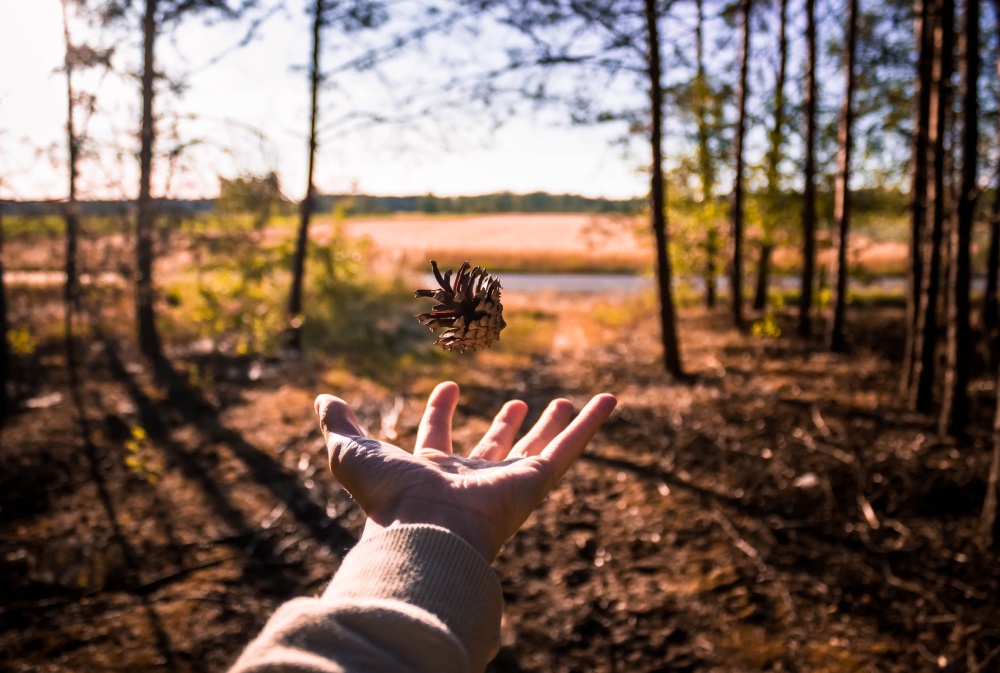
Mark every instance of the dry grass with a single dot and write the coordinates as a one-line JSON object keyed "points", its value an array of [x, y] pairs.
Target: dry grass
{"points": [[516, 242]]}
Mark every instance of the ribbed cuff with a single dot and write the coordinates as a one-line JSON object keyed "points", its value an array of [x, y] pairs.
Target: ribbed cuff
{"points": [[432, 569]]}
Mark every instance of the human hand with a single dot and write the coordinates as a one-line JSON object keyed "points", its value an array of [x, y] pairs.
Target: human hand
{"points": [[484, 498]]}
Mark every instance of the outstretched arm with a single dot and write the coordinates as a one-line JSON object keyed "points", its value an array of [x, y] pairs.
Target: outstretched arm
{"points": [[417, 593]]}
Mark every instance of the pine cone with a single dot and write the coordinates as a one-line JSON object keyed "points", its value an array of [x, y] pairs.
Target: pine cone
{"points": [[470, 310]]}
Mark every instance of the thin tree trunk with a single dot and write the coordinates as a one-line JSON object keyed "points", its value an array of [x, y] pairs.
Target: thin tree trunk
{"points": [[991, 305], [5, 374], [842, 193], [773, 160], [149, 339], [72, 210], [763, 276], [988, 518], [736, 201], [809, 189], [955, 405], [918, 192], [671, 353], [706, 169], [925, 348], [294, 336]]}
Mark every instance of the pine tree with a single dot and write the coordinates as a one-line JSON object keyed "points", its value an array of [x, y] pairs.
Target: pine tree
{"points": [[671, 352], [809, 178], [736, 200], [772, 160], [294, 337], [955, 404], [925, 346], [842, 196], [923, 32], [155, 17]]}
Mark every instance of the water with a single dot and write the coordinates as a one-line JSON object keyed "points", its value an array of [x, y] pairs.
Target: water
{"points": [[622, 282], [531, 282]]}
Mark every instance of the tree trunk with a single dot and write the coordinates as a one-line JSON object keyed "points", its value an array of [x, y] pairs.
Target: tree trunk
{"points": [[294, 334], [763, 276], [809, 171], [149, 339], [955, 405], [991, 306], [988, 518], [706, 167], [72, 209], [736, 203], [772, 165], [4, 345], [918, 190], [671, 353], [925, 348], [842, 193]]}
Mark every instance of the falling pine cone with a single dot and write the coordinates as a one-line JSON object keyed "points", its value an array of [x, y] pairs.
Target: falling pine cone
{"points": [[469, 310]]}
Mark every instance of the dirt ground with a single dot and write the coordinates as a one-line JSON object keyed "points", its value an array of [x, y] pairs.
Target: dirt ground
{"points": [[778, 512]]}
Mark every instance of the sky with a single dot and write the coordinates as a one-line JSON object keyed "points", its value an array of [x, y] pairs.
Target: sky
{"points": [[247, 112]]}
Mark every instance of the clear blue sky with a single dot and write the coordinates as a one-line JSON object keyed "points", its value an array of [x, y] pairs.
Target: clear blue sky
{"points": [[249, 112]]}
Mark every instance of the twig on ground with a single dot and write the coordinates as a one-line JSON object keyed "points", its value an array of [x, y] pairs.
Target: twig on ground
{"points": [[818, 421], [741, 543]]}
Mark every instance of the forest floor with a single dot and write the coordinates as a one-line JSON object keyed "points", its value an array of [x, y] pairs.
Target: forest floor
{"points": [[780, 511]]}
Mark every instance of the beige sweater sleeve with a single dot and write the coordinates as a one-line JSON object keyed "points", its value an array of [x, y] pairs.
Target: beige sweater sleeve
{"points": [[411, 598]]}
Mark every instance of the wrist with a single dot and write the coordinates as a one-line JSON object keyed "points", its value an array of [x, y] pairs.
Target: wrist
{"points": [[461, 529]]}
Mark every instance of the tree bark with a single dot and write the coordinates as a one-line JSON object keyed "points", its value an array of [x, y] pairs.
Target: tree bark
{"points": [[991, 304], [842, 194], [736, 202], [925, 348], [988, 518], [294, 334], [763, 276], [4, 345], [671, 353], [773, 161], [918, 191], [809, 171], [149, 339], [72, 208], [706, 168], [955, 404]]}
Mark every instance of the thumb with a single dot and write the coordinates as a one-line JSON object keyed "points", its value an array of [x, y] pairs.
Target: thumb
{"points": [[336, 417]]}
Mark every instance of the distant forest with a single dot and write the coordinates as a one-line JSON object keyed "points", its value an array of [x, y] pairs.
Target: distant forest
{"points": [[364, 204]]}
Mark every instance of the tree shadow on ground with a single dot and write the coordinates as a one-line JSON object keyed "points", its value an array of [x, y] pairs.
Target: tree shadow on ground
{"points": [[185, 403]]}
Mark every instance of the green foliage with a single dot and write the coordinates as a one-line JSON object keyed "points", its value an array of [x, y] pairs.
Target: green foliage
{"points": [[767, 327], [258, 196], [232, 292], [22, 341], [140, 457], [350, 312], [52, 226]]}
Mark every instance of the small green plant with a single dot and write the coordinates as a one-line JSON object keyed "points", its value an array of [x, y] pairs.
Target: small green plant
{"points": [[766, 328], [22, 341], [139, 456]]}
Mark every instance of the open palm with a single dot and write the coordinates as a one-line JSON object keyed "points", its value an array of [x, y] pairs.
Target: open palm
{"points": [[483, 498]]}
